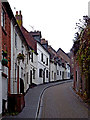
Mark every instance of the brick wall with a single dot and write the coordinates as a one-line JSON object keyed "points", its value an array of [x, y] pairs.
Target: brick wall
{"points": [[6, 42], [0, 64]]}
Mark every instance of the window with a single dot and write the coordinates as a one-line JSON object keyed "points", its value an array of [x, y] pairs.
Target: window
{"points": [[47, 61], [21, 72], [15, 40], [52, 74], [27, 58], [60, 73], [57, 72], [3, 18], [27, 77], [46, 73], [42, 57], [33, 74], [40, 72], [31, 57], [22, 46], [15, 71], [68, 74]]}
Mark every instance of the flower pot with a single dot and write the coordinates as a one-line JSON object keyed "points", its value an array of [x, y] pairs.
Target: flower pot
{"points": [[4, 62], [20, 56]]}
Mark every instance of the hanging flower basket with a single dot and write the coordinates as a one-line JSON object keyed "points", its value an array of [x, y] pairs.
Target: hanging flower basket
{"points": [[20, 56], [4, 53], [4, 62]]}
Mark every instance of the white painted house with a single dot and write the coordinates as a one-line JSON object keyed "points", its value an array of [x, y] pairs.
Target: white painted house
{"points": [[68, 70], [19, 60], [43, 57], [53, 71], [43, 64]]}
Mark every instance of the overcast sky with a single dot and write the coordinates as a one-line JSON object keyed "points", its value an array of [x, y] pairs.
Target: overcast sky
{"points": [[56, 19]]}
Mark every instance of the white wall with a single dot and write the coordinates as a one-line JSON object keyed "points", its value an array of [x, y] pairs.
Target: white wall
{"points": [[12, 62], [0, 89], [33, 65], [14, 53], [53, 71], [67, 71], [42, 65]]}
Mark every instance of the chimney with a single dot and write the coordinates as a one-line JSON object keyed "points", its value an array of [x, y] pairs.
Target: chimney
{"points": [[44, 43], [19, 18], [89, 9]]}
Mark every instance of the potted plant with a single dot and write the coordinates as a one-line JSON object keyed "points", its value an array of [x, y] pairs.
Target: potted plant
{"points": [[4, 62], [20, 56], [4, 53]]}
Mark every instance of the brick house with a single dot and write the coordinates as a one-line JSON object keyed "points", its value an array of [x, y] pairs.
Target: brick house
{"points": [[81, 53], [5, 49], [10, 88], [0, 62]]}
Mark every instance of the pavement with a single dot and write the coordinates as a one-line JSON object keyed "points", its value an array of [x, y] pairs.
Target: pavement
{"points": [[33, 100]]}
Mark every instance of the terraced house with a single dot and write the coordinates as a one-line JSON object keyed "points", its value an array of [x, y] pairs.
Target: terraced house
{"points": [[26, 59], [5, 55]]}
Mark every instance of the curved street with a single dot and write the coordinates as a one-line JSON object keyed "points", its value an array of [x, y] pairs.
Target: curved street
{"points": [[61, 102]]}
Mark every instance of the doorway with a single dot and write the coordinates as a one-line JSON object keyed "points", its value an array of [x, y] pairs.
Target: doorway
{"points": [[63, 75], [21, 86]]}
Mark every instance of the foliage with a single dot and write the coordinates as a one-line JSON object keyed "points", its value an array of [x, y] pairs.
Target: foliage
{"points": [[4, 62], [83, 54], [4, 53], [20, 56]]}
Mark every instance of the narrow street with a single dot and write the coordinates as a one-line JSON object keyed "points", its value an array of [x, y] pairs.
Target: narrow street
{"points": [[61, 102]]}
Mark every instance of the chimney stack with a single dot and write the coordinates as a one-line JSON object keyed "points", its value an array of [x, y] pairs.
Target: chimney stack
{"points": [[19, 18], [16, 12]]}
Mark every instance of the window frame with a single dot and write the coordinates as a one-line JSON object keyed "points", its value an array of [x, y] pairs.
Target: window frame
{"points": [[46, 73], [16, 40], [42, 57], [40, 73]]}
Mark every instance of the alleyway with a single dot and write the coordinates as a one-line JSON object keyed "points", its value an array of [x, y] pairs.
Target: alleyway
{"points": [[60, 102]]}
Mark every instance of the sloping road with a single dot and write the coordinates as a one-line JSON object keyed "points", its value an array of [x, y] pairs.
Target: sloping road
{"points": [[60, 102]]}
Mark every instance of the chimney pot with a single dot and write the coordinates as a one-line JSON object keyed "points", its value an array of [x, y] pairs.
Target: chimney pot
{"points": [[20, 12], [16, 12]]}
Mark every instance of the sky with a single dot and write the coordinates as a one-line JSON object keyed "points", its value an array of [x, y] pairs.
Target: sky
{"points": [[56, 19]]}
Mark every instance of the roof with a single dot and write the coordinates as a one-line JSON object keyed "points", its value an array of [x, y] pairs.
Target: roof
{"points": [[62, 51], [30, 40]]}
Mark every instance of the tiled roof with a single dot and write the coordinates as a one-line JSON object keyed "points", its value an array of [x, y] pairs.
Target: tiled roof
{"points": [[30, 40]]}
